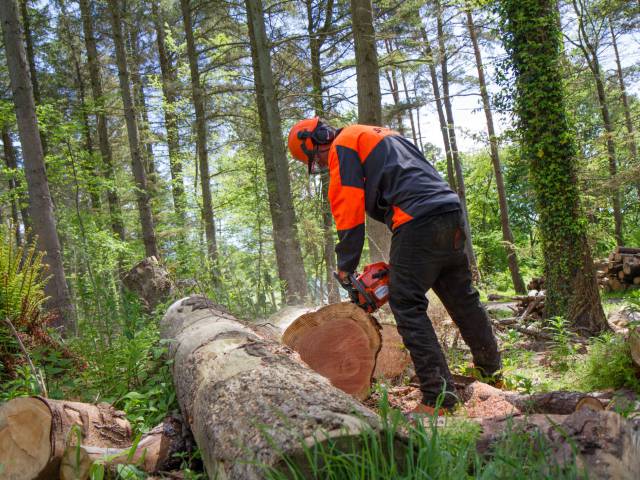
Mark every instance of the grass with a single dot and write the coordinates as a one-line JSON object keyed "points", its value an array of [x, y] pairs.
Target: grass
{"points": [[432, 451]]}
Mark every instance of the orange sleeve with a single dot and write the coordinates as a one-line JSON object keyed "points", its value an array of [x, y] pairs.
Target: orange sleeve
{"points": [[346, 197]]}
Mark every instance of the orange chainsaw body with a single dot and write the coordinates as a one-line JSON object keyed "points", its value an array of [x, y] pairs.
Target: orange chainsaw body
{"points": [[372, 286]]}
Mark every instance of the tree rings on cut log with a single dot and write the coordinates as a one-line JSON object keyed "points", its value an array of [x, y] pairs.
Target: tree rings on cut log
{"points": [[340, 342], [34, 432], [394, 357]]}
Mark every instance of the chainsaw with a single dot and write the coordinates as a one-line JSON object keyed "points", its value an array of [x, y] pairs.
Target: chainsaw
{"points": [[370, 289]]}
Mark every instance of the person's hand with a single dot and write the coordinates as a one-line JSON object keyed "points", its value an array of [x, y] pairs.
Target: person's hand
{"points": [[343, 277]]}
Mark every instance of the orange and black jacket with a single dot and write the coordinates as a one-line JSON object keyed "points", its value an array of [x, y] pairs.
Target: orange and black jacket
{"points": [[376, 170]]}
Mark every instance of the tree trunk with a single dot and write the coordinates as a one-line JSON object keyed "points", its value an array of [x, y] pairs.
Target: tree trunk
{"points": [[369, 105], [169, 90], [20, 200], [88, 164], [215, 359], [410, 110], [117, 225], [590, 53], [201, 140], [34, 433], [155, 452], [142, 192], [631, 141], [28, 40], [530, 35], [288, 253], [150, 281], [428, 53], [316, 40], [139, 99], [507, 235], [604, 443], [41, 207], [457, 163]]}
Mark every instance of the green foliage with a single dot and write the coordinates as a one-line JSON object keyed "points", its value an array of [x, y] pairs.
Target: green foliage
{"points": [[607, 364], [562, 349], [442, 448]]}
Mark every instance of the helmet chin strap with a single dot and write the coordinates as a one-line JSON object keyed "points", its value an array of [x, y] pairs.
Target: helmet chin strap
{"points": [[321, 135]]}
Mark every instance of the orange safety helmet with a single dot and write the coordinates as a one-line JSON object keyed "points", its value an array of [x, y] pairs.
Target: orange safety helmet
{"points": [[304, 138], [300, 143]]}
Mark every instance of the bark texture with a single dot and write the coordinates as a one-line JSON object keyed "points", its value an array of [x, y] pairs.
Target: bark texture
{"points": [[150, 281], [201, 138], [139, 173], [241, 393], [95, 78], [369, 105], [34, 433], [285, 235], [507, 234], [40, 204], [154, 453], [605, 443]]}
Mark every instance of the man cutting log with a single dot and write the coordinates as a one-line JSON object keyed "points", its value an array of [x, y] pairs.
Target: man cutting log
{"points": [[377, 171]]}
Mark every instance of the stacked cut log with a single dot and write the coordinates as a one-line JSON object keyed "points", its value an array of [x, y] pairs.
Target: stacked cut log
{"points": [[622, 270], [530, 307]]}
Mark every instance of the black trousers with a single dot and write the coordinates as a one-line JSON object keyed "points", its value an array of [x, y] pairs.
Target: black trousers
{"points": [[429, 253]]}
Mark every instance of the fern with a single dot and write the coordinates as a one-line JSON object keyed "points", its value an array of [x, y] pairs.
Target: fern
{"points": [[22, 279]]}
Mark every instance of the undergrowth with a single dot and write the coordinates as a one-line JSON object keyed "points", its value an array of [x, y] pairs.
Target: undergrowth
{"points": [[429, 451]]}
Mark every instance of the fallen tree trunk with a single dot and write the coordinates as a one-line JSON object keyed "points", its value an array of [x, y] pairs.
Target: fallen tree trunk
{"points": [[34, 432], [155, 452], [248, 400], [605, 444]]}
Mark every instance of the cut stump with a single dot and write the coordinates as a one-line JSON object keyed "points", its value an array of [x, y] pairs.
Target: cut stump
{"points": [[340, 342], [34, 433]]}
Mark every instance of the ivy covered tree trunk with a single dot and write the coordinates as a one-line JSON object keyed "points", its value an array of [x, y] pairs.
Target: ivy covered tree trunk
{"points": [[40, 204], [201, 138], [139, 173], [369, 105], [507, 235], [531, 37], [285, 235], [115, 212]]}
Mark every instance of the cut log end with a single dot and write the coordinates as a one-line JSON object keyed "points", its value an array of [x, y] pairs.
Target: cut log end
{"points": [[25, 448], [340, 342]]}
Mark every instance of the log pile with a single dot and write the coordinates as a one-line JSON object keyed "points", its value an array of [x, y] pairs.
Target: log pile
{"points": [[622, 271]]}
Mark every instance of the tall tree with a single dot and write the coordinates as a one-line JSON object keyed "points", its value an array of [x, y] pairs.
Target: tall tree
{"points": [[588, 45], [201, 138], [369, 104], [531, 37], [285, 235], [170, 93], [507, 235], [14, 184], [31, 57], [40, 204], [317, 37], [628, 121], [435, 87], [117, 225], [142, 192], [455, 154]]}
